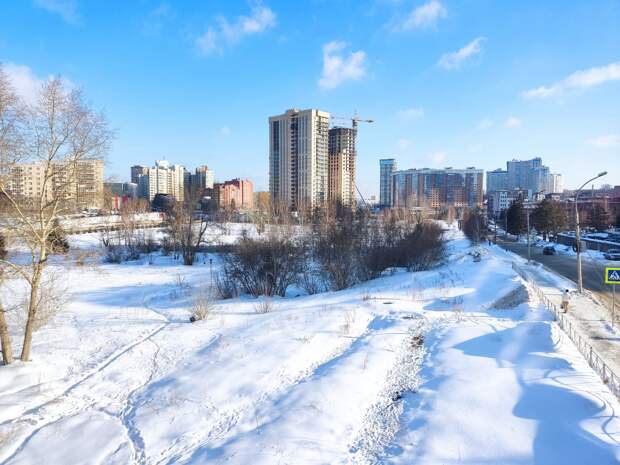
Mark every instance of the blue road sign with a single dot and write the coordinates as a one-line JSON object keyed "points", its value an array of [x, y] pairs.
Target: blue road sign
{"points": [[612, 275]]}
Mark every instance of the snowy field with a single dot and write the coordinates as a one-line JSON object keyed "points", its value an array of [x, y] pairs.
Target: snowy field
{"points": [[413, 368]]}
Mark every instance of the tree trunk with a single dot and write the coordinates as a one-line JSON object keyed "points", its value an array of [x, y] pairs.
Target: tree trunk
{"points": [[5, 339], [32, 313]]}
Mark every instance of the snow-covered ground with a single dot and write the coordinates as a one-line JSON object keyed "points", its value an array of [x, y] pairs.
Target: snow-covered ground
{"points": [[413, 368]]}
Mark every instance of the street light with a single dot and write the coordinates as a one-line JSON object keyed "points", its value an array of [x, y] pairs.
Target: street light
{"points": [[529, 253], [578, 231]]}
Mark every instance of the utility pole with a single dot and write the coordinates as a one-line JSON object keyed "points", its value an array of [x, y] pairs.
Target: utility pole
{"points": [[527, 209], [578, 231]]}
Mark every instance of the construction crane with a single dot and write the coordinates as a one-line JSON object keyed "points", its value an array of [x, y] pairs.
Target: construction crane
{"points": [[355, 119]]}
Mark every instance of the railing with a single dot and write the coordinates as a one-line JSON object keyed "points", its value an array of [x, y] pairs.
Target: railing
{"points": [[596, 362]]}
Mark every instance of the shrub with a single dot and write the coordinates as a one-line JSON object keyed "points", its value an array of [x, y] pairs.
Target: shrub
{"points": [[422, 248], [202, 306], [265, 305], [266, 266], [114, 253], [57, 240], [226, 286]]}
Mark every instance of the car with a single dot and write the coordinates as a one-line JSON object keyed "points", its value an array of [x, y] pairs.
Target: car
{"points": [[549, 250], [612, 254]]}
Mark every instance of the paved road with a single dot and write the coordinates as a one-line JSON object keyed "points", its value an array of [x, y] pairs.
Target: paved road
{"points": [[565, 265]]}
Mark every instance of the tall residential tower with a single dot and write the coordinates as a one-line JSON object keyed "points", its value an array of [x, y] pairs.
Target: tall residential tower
{"points": [[341, 170], [298, 158], [387, 166]]}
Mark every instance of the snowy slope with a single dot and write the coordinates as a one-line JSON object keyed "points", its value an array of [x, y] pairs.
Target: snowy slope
{"points": [[409, 368]]}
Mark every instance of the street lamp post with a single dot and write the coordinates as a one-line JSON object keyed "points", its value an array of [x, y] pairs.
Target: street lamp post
{"points": [[578, 231], [529, 253]]}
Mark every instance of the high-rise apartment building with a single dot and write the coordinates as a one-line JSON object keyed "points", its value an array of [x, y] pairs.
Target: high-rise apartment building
{"points": [[497, 180], [529, 175], [387, 167], [437, 188], [556, 186], [137, 171], [163, 178], [298, 158], [341, 166], [79, 185], [203, 178]]}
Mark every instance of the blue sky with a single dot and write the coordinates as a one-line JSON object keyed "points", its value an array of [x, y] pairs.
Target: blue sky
{"points": [[448, 82]]}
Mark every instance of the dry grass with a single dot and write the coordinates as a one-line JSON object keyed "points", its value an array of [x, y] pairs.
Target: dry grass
{"points": [[202, 306], [265, 305]]}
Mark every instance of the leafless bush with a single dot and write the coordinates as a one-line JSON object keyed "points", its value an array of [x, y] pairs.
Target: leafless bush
{"points": [[114, 253], [167, 245], [335, 247], [226, 286], [355, 247], [312, 282], [423, 247], [266, 266], [264, 305], [202, 306]]}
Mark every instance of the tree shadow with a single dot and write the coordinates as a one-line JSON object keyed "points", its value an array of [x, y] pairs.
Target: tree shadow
{"points": [[558, 411]]}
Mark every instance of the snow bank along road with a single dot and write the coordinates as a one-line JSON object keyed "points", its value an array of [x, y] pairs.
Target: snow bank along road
{"points": [[413, 368]]}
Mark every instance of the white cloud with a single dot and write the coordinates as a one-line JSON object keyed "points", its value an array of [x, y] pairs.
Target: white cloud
{"points": [[424, 16], [512, 122], [337, 68], [605, 142], [227, 33], [579, 80], [66, 9], [453, 60], [25, 82], [411, 113], [225, 131]]}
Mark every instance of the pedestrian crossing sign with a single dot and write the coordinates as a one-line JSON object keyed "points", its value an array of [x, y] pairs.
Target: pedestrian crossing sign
{"points": [[612, 275]]}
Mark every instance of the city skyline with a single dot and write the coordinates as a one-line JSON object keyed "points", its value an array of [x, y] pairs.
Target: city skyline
{"points": [[446, 85]]}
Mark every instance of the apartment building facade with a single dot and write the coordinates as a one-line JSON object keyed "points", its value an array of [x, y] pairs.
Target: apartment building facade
{"points": [[387, 167], [341, 166], [163, 178], [79, 185], [525, 175], [298, 158], [235, 194], [437, 188]]}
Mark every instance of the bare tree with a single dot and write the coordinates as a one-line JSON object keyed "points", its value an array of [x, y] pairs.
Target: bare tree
{"points": [[56, 133], [188, 227], [5, 337]]}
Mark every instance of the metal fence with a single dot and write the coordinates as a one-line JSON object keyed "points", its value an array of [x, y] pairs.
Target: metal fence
{"points": [[596, 362]]}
